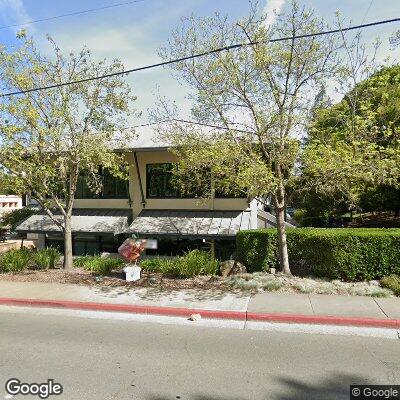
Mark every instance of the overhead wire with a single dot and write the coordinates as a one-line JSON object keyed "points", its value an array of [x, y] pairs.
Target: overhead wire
{"points": [[198, 55]]}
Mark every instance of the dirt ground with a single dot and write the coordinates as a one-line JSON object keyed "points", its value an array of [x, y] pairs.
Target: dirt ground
{"points": [[79, 276]]}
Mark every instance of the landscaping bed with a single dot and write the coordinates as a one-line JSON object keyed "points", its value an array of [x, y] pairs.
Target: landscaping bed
{"points": [[244, 283], [195, 269]]}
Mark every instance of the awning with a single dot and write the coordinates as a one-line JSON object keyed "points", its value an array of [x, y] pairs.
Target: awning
{"points": [[83, 221], [190, 223]]}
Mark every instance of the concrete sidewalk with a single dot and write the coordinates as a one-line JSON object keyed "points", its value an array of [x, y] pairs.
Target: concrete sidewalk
{"points": [[300, 308]]}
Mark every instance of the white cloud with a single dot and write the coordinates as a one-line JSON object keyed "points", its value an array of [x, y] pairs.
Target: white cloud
{"points": [[272, 8], [13, 12], [135, 44]]}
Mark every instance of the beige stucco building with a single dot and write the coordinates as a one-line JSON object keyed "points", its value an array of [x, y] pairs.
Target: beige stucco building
{"points": [[149, 206]]}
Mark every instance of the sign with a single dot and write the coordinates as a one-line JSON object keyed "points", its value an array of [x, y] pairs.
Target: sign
{"points": [[151, 244]]}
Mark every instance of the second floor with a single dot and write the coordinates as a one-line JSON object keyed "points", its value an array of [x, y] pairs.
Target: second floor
{"points": [[150, 186]]}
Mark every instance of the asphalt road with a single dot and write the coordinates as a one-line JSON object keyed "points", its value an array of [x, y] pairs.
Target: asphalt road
{"points": [[112, 359]]}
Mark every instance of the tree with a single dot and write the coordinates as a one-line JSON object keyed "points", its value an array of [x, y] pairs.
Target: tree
{"points": [[257, 95], [353, 147], [48, 138], [6, 184]]}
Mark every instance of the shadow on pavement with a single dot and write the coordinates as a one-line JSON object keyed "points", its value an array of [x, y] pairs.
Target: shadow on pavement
{"points": [[154, 294], [336, 387]]}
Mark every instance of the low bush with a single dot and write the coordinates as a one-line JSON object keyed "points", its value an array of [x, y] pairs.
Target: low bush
{"points": [[349, 254], [194, 263], [46, 258], [15, 260], [161, 265], [98, 264], [392, 282]]}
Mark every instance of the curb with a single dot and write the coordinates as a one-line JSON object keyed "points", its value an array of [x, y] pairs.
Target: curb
{"points": [[208, 314]]}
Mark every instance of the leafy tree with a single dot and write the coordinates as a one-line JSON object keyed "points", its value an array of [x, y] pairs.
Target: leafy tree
{"points": [[49, 137], [258, 95], [355, 144]]}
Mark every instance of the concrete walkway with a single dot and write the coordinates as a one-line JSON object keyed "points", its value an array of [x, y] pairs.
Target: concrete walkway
{"points": [[210, 300]]}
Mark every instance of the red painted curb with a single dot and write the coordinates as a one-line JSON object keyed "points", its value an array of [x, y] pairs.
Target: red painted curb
{"points": [[210, 314], [325, 320], [137, 309]]}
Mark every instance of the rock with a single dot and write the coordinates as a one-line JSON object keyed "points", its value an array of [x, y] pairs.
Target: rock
{"points": [[194, 317], [272, 271], [374, 283], [232, 267], [152, 280]]}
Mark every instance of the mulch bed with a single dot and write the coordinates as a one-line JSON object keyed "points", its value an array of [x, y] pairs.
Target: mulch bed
{"points": [[79, 276]]}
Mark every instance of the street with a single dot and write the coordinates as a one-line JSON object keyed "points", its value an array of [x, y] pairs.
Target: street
{"points": [[116, 359]]}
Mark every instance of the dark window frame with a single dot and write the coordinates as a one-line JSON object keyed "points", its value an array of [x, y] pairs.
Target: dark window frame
{"points": [[83, 192], [175, 195]]}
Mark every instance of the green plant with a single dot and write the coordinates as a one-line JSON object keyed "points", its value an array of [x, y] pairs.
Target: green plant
{"points": [[351, 254], [152, 264], [392, 282], [197, 262], [193, 263], [47, 258], [15, 260], [98, 264]]}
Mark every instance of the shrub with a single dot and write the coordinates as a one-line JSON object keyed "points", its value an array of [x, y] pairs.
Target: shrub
{"points": [[98, 264], [349, 254], [151, 264], [47, 258], [15, 260], [392, 282], [163, 265], [196, 262]]}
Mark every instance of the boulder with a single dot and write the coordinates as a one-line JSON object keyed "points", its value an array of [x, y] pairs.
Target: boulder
{"points": [[232, 267]]}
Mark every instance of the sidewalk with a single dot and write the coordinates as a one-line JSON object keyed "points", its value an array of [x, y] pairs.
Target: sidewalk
{"points": [[271, 307]]}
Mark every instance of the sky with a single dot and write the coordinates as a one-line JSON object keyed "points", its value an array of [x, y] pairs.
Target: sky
{"points": [[134, 33]]}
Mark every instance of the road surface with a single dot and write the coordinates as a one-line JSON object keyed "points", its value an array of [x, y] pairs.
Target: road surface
{"points": [[115, 359]]}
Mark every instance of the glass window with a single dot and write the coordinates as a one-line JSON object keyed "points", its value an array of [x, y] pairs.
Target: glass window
{"points": [[112, 188], [159, 183]]}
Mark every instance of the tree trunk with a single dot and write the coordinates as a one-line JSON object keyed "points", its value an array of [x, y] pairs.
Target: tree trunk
{"points": [[68, 261], [280, 219]]}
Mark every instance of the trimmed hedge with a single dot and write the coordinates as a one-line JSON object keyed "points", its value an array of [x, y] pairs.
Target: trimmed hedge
{"points": [[345, 253]]}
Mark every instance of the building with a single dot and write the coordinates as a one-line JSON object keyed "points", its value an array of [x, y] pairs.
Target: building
{"points": [[9, 203], [149, 206]]}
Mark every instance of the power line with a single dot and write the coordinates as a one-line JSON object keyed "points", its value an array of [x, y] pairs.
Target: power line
{"points": [[198, 55], [71, 14], [366, 12]]}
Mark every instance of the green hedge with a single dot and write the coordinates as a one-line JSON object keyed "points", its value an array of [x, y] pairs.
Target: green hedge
{"points": [[350, 253]]}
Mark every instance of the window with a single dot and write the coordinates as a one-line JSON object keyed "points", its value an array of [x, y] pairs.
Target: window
{"points": [[159, 182], [112, 187], [160, 185]]}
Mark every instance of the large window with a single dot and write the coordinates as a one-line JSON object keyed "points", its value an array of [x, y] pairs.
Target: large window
{"points": [[160, 184], [112, 187], [159, 181]]}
